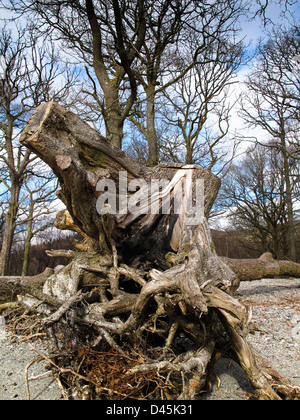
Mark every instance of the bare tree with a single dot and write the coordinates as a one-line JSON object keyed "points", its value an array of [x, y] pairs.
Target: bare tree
{"points": [[32, 76], [273, 104], [261, 8], [255, 192], [177, 40], [37, 209], [124, 45], [200, 95], [103, 36], [166, 21]]}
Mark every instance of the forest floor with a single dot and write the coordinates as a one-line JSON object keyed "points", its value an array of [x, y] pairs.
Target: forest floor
{"points": [[276, 311]]}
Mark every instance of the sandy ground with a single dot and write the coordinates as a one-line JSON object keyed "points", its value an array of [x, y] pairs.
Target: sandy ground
{"points": [[276, 309], [14, 358]]}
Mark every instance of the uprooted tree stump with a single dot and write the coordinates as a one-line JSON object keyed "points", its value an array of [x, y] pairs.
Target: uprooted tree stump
{"points": [[145, 307]]}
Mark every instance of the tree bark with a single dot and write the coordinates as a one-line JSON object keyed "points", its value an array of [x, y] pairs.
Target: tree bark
{"points": [[289, 199], [10, 287], [263, 267], [10, 226], [28, 240], [151, 130], [154, 274], [80, 157]]}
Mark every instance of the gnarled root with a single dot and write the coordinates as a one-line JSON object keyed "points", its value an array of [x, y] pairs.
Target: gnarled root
{"points": [[170, 326]]}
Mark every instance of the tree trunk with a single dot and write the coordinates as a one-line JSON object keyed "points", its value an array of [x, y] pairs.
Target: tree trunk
{"points": [[289, 202], [151, 130], [160, 295], [114, 124], [28, 240], [189, 152], [9, 231], [263, 267], [11, 287]]}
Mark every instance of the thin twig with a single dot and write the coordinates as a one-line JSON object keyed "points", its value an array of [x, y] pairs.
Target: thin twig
{"points": [[37, 359], [32, 336], [61, 370]]}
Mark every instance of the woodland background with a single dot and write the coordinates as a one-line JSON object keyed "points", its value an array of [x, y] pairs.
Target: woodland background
{"points": [[202, 89]]}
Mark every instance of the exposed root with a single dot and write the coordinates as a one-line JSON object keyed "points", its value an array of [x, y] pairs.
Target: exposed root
{"points": [[117, 332], [158, 349]]}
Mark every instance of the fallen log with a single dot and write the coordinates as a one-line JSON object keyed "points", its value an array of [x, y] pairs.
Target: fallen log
{"points": [[264, 267], [10, 287], [163, 302]]}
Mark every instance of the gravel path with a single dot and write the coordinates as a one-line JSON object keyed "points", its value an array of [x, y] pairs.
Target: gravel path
{"points": [[275, 305], [14, 357], [276, 310]]}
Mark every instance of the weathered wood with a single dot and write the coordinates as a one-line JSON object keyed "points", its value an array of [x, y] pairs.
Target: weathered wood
{"points": [[263, 267], [80, 157], [72, 277], [10, 287], [65, 253], [57, 135]]}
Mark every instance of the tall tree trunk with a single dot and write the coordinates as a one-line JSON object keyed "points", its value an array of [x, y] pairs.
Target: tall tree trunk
{"points": [[289, 202], [114, 122], [189, 152], [28, 240], [9, 231], [151, 130]]}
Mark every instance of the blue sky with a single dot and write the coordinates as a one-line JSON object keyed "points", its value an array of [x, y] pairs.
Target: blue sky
{"points": [[253, 29]]}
